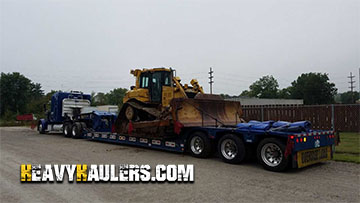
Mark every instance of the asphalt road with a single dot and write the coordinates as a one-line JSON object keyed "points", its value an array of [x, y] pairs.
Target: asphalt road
{"points": [[215, 181]]}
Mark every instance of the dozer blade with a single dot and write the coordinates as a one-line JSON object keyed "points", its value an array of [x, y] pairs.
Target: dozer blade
{"points": [[206, 110]]}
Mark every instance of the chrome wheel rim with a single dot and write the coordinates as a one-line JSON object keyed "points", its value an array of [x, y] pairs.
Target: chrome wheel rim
{"points": [[197, 145], [271, 154], [229, 149], [73, 132]]}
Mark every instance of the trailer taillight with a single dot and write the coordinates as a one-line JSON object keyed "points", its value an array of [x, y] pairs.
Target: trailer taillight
{"points": [[297, 140], [304, 139], [292, 137]]}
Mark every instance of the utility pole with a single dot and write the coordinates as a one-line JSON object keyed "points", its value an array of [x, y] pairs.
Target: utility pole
{"points": [[211, 79], [352, 86]]}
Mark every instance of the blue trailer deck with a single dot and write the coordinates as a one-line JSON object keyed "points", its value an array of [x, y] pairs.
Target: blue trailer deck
{"points": [[275, 144], [295, 142]]}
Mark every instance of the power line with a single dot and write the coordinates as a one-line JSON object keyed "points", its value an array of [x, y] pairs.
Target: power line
{"points": [[211, 79], [352, 86]]}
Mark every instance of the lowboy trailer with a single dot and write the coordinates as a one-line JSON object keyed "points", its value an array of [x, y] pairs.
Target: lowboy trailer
{"points": [[277, 145], [159, 112]]}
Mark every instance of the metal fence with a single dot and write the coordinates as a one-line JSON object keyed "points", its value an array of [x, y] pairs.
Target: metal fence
{"points": [[340, 117]]}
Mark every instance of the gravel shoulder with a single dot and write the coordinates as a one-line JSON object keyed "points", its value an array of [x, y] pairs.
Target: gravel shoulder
{"points": [[215, 181]]}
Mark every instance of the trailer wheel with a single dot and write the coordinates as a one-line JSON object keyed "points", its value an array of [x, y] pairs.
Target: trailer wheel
{"points": [[76, 130], [231, 149], [270, 153], [67, 130], [199, 145], [41, 128]]}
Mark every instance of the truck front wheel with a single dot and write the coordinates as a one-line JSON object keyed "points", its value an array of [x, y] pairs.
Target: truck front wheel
{"points": [[41, 128], [199, 145], [271, 154], [231, 149]]}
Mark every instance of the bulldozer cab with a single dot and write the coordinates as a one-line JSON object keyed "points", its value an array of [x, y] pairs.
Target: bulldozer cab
{"points": [[155, 82]]}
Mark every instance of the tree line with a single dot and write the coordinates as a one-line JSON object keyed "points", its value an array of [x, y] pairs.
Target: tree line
{"points": [[313, 88], [114, 97], [20, 95]]}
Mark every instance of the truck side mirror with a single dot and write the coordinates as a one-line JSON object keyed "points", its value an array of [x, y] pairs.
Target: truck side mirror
{"points": [[45, 108], [132, 87]]}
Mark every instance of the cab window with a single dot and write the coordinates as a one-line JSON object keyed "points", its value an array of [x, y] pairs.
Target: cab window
{"points": [[144, 81], [166, 77], [156, 81]]}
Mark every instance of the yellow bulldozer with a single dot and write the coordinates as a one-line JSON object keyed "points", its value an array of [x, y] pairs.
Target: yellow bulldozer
{"points": [[159, 105]]}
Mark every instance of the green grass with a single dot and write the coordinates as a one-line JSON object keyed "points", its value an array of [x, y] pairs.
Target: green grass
{"points": [[347, 158], [349, 148]]}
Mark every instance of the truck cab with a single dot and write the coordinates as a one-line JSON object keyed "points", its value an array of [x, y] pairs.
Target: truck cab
{"points": [[64, 107]]}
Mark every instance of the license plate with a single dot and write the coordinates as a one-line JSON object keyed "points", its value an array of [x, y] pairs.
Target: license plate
{"points": [[312, 156]]}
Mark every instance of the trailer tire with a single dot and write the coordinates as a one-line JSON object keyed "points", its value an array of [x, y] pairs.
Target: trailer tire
{"points": [[271, 154], [199, 145], [67, 129], [231, 149], [76, 130], [41, 128]]}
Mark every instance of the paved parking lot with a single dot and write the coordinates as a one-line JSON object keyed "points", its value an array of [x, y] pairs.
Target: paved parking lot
{"points": [[215, 181]]}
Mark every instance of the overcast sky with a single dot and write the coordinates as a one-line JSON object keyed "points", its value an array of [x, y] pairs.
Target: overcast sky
{"points": [[92, 45]]}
